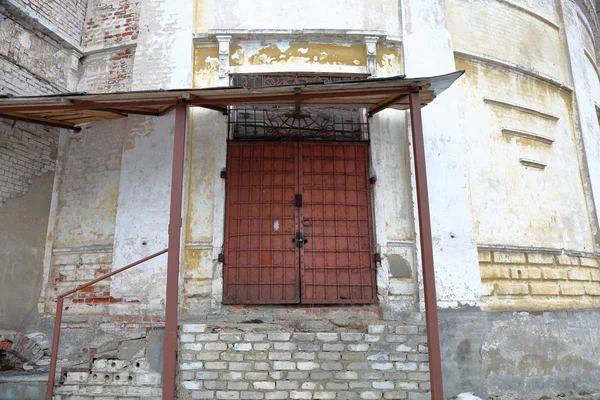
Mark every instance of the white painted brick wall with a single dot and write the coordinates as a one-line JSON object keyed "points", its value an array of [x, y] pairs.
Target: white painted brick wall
{"points": [[26, 151], [67, 16], [390, 362]]}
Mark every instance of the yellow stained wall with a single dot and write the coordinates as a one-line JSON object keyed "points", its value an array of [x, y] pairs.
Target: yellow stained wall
{"points": [[501, 30], [534, 281], [297, 53], [515, 204], [206, 66]]}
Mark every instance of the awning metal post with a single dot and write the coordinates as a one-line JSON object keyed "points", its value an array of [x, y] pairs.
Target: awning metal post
{"points": [[431, 314], [175, 223]]}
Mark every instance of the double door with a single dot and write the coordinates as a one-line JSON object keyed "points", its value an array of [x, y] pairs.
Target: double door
{"points": [[298, 224]]}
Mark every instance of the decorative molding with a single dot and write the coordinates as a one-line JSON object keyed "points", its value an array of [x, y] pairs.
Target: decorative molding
{"points": [[532, 163], [528, 135], [198, 246], [530, 13], [97, 248], [356, 35], [533, 249], [471, 55], [371, 47], [73, 74], [92, 50], [593, 62], [522, 108], [393, 40], [224, 41], [587, 14], [400, 243]]}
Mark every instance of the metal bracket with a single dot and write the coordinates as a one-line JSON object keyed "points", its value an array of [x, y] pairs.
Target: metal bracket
{"points": [[377, 257], [298, 200], [372, 180], [224, 174], [221, 258]]}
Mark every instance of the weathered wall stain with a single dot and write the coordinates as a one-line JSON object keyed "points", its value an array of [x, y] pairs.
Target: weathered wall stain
{"points": [[22, 254]]}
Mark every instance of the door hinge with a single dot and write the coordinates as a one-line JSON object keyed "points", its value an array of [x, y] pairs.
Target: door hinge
{"points": [[372, 180], [224, 174], [298, 200], [377, 257], [221, 258]]}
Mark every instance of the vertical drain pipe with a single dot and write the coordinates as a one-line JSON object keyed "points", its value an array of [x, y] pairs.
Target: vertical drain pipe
{"points": [[431, 315]]}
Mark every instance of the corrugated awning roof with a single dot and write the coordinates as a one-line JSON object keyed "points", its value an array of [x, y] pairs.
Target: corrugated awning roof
{"points": [[73, 109]]}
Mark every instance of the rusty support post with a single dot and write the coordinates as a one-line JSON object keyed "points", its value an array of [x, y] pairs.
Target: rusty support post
{"points": [[431, 315], [170, 341], [54, 354]]}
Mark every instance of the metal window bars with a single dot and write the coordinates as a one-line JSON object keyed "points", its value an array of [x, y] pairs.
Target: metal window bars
{"points": [[295, 123]]}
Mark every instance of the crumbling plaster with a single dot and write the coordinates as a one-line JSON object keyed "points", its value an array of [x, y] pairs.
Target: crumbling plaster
{"points": [[163, 56]]}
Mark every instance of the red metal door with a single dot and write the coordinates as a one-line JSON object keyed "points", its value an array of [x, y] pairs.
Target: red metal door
{"points": [[261, 262], [337, 260], [266, 259]]}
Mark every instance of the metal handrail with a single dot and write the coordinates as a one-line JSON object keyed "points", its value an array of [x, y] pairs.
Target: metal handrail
{"points": [[58, 319]]}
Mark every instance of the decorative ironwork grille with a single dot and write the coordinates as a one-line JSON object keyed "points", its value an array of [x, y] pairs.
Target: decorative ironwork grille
{"points": [[289, 123]]}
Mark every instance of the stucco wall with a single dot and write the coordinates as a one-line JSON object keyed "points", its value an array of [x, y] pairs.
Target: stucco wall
{"points": [[22, 255], [518, 355], [289, 14]]}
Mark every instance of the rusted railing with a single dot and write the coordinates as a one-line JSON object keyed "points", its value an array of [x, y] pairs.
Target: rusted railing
{"points": [[58, 320]]}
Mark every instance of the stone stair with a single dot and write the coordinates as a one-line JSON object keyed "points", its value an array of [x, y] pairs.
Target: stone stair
{"points": [[126, 369], [108, 379]]}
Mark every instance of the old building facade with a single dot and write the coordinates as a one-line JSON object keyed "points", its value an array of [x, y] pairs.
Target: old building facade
{"points": [[513, 159]]}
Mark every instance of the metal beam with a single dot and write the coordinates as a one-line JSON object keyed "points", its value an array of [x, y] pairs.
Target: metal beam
{"points": [[175, 223], [431, 315]]}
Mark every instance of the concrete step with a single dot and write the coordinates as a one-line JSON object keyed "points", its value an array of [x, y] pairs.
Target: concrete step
{"points": [[20, 385]]}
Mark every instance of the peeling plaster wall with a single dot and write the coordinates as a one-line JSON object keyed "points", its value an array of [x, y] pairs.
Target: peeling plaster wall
{"points": [[517, 203], [203, 225], [541, 78], [163, 59], [89, 186], [289, 14], [477, 200], [457, 271], [109, 40], [65, 17], [40, 56], [164, 46], [326, 52], [586, 95], [143, 210]]}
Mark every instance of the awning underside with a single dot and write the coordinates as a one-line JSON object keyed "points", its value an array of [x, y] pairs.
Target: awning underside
{"points": [[74, 109]]}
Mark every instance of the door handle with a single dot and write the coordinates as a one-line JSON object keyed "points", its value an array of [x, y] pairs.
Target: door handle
{"points": [[299, 240]]}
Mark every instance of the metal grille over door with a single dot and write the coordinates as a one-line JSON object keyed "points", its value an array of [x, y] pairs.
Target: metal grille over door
{"points": [[261, 262], [336, 217], [298, 224]]}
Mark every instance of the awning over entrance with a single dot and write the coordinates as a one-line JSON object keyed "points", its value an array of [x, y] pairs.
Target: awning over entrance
{"points": [[74, 109]]}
